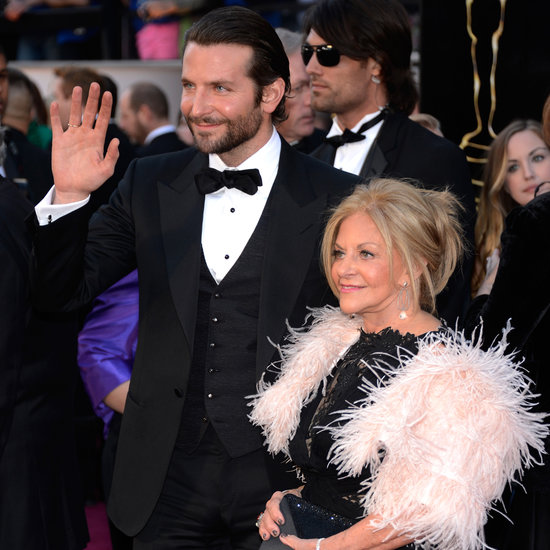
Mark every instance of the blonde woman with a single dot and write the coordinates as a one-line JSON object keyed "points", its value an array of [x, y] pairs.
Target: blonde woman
{"points": [[388, 415]]}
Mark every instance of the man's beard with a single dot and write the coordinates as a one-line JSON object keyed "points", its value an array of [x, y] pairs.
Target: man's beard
{"points": [[237, 132]]}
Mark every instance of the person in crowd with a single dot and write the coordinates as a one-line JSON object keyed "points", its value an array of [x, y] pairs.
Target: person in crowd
{"points": [[106, 349], [144, 116], [39, 131], [26, 164], [66, 78], [518, 161], [214, 293], [41, 44], [515, 292], [386, 413], [159, 24], [299, 127], [428, 121], [41, 504], [4, 82], [357, 54]]}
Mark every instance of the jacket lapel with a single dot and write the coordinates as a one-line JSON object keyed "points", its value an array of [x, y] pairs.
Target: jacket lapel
{"points": [[292, 238], [181, 210]]}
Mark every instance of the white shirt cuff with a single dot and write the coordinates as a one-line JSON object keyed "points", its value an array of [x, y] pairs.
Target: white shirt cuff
{"points": [[46, 212]]}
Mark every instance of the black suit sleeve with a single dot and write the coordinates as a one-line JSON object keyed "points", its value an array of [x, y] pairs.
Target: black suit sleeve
{"points": [[521, 292]]}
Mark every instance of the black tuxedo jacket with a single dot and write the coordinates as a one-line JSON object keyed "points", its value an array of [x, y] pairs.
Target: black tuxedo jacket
{"points": [[154, 222], [404, 149], [41, 505], [165, 143], [28, 165]]}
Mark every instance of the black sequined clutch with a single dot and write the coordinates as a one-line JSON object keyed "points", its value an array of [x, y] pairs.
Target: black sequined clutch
{"points": [[307, 521]]}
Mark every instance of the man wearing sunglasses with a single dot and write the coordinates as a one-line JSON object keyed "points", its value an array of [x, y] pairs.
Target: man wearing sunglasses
{"points": [[357, 54]]}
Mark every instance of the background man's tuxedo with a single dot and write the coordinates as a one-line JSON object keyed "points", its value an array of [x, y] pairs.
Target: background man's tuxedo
{"points": [[41, 504], [165, 143], [154, 222], [404, 149]]}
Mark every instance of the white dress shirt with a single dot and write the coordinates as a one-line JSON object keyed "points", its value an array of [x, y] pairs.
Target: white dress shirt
{"points": [[229, 217], [351, 156], [160, 131]]}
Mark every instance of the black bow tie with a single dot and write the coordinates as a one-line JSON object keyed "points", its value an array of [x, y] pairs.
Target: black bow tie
{"points": [[349, 137], [210, 180]]}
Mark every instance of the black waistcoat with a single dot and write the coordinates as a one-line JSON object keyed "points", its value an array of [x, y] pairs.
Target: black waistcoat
{"points": [[223, 369]]}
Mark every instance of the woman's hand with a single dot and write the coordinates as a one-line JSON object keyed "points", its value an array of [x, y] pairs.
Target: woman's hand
{"points": [[270, 521], [490, 274], [361, 536]]}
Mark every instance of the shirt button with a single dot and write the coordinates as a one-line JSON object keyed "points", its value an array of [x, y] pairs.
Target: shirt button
{"points": [[215, 319], [212, 345], [226, 256], [210, 396], [232, 210], [178, 392], [204, 419], [211, 371], [217, 295]]}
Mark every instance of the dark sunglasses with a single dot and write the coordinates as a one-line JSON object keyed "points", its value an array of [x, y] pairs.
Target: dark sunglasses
{"points": [[327, 55]]}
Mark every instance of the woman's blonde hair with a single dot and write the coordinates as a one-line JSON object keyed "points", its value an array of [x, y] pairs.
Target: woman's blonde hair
{"points": [[421, 225], [495, 202]]}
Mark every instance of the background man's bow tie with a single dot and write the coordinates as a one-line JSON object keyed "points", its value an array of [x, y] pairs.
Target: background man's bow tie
{"points": [[349, 137]]}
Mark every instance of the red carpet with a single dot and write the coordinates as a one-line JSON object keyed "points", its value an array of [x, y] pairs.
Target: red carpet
{"points": [[98, 527]]}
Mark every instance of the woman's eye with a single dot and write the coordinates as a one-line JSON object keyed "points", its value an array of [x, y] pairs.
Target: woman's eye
{"points": [[539, 157], [365, 254], [512, 168], [337, 253]]}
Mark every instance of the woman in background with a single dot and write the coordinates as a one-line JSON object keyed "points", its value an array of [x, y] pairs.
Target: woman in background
{"points": [[518, 161]]}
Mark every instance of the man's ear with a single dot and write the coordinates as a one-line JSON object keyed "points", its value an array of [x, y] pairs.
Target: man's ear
{"points": [[144, 113], [272, 95]]}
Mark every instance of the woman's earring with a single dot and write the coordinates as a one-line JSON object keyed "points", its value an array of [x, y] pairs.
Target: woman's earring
{"points": [[375, 79], [403, 300]]}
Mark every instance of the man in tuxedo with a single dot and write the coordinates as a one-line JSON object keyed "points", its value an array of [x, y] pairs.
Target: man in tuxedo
{"points": [[225, 239], [26, 164], [41, 504], [144, 117], [357, 54]]}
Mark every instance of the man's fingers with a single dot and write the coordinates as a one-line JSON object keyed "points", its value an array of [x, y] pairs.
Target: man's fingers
{"points": [[111, 156], [105, 109], [55, 121], [90, 110], [75, 116]]}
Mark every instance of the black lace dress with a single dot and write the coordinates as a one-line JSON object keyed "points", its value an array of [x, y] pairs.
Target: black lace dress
{"points": [[310, 447]]}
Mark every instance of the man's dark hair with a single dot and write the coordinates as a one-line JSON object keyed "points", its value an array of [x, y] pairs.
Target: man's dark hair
{"points": [[147, 93], [237, 25], [377, 29]]}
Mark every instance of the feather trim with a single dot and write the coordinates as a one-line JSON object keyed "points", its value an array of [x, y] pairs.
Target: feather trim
{"points": [[454, 424], [306, 361], [442, 435]]}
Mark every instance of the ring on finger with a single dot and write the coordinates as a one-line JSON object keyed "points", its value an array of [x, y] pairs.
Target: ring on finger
{"points": [[74, 125], [259, 519]]}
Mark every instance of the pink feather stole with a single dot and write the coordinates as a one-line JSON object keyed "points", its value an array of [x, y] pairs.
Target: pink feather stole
{"points": [[455, 424]]}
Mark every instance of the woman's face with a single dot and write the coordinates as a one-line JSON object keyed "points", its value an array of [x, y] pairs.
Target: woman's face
{"points": [[528, 165], [361, 270]]}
